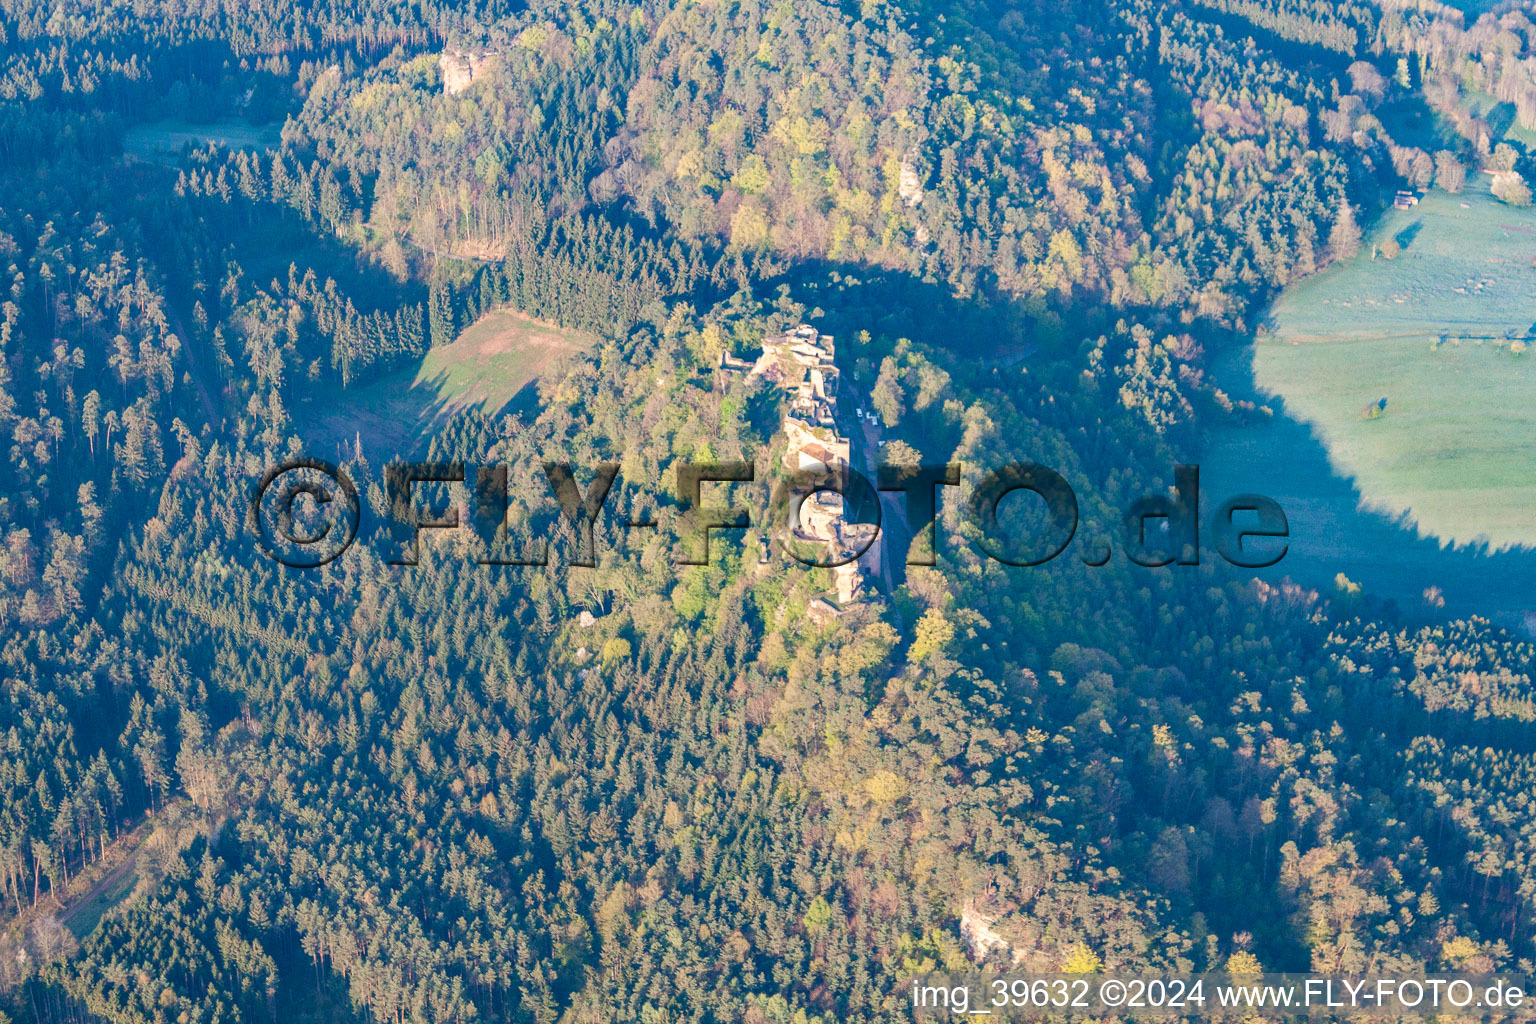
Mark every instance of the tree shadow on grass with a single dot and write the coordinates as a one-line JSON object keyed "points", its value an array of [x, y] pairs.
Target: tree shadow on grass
{"points": [[1405, 237], [392, 418], [1331, 532], [397, 415], [1500, 117]]}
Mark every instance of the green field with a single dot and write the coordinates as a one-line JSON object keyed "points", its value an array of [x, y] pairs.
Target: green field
{"points": [[1500, 116], [497, 357], [1331, 530], [484, 368], [1431, 332], [166, 138], [1474, 9], [1426, 493]]}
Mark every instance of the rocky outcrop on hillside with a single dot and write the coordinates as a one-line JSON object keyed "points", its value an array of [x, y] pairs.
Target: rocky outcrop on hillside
{"points": [[460, 68]]}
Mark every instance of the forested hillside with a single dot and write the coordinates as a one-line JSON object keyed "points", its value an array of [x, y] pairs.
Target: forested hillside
{"points": [[236, 791]]}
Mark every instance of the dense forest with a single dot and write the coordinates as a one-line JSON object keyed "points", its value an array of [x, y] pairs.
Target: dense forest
{"points": [[235, 791]]}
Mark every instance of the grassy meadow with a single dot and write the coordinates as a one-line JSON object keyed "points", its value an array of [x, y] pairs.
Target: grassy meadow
{"points": [[484, 368], [496, 357], [1441, 332], [1474, 9], [165, 139], [1500, 117], [1440, 489]]}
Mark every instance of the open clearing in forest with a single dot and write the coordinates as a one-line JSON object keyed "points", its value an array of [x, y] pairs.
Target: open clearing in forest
{"points": [[1499, 116], [497, 357], [1399, 502], [484, 368], [165, 139], [1474, 9], [84, 915], [1442, 333]]}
